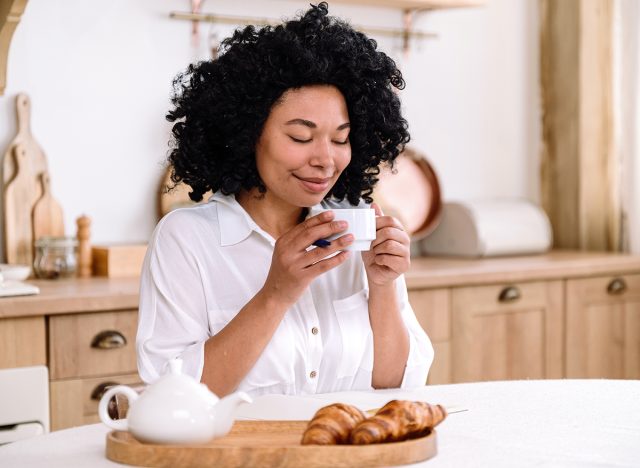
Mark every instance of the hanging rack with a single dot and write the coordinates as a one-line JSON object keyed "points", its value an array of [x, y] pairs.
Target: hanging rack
{"points": [[405, 33]]}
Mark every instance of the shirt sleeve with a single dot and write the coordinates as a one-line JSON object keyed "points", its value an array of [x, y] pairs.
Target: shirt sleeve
{"points": [[172, 320], [420, 349]]}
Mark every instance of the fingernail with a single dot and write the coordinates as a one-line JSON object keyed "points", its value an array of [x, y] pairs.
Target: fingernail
{"points": [[322, 243]]}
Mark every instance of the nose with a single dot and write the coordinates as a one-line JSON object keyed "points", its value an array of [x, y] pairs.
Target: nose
{"points": [[322, 155]]}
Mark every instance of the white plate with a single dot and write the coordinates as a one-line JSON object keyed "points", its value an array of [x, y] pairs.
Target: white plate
{"points": [[17, 288], [14, 272]]}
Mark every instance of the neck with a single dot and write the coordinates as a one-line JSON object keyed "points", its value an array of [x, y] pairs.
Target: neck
{"points": [[275, 218]]}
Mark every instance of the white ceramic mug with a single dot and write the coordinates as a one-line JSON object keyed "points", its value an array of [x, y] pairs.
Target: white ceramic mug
{"points": [[361, 223]]}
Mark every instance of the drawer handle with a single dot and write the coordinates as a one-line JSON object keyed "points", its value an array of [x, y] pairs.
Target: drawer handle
{"points": [[509, 294], [100, 389], [109, 339], [617, 286]]}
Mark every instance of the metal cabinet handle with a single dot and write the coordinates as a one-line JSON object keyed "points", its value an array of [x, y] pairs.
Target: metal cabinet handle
{"points": [[509, 294], [617, 286], [108, 339], [101, 388]]}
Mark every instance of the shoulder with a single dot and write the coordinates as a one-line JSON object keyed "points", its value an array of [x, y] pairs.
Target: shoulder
{"points": [[187, 222]]}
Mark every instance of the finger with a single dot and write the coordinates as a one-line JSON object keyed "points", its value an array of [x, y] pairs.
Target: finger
{"points": [[386, 221], [311, 221], [321, 232], [377, 209], [390, 233], [312, 229], [327, 264], [342, 242], [393, 262], [391, 247]]}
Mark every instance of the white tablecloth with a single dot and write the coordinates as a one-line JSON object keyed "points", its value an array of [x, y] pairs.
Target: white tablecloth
{"points": [[563, 423]]}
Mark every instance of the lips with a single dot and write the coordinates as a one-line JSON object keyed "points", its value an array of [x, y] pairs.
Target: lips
{"points": [[314, 184]]}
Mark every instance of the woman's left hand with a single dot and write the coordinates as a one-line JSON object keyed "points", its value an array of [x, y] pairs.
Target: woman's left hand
{"points": [[389, 256]]}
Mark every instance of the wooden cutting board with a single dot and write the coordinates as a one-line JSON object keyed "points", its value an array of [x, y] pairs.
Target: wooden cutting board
{"points": [[267, 444], [47, 219], [25, 138], [19, 198]]}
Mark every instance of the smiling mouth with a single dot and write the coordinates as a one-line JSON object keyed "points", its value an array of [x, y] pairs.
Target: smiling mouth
{"points": [[314, 184]]}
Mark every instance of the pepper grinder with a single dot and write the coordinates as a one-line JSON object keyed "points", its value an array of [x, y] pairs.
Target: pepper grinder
{"points": [[84, 246]]}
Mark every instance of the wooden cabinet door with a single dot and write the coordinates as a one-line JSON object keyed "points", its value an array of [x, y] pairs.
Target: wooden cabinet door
{"points": [[603, 327], [22, 342], [503, 332], [433, 310]]}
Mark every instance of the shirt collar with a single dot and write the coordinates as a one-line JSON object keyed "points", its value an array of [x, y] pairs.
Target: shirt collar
{"points": [[235, 223]]}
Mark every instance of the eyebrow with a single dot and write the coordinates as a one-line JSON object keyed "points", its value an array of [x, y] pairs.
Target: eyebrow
{"points": [[310, 124]]}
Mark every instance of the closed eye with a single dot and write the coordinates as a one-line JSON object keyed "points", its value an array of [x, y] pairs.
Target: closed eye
{"points": [[342, 142], [297, 140]]}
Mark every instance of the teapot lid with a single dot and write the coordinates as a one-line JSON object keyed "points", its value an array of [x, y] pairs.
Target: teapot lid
{"points": [[175, 382]]}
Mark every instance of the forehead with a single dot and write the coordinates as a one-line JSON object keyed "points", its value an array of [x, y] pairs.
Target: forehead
{"points": [[319, 102]]}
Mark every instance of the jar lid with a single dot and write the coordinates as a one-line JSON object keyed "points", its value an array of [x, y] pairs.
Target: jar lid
{"points": [[51, 241]]}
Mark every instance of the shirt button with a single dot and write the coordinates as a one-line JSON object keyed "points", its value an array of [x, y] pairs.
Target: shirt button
{"points": [[313, 374], [314, 330]]}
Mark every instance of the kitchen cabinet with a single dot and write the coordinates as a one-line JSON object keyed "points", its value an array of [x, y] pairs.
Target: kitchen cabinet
{"points": [[84, 331], [603, 327], [87, 353], [561, 314]]}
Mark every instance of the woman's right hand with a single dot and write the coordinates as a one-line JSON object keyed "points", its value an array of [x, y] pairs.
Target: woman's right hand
{"points": [[293, 267]]}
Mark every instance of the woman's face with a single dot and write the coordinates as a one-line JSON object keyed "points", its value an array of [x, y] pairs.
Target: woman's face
{"points": [[304, 146]]}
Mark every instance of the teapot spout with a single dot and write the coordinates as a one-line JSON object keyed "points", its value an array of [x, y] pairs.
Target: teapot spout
{"points": [[225, 411]]}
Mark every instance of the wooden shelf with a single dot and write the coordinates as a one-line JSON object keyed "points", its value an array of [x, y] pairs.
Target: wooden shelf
{"points": [[10, 13], [417, 4]]}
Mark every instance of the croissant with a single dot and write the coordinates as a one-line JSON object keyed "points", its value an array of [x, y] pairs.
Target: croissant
{"points": [[398, 420], [332, 424]]}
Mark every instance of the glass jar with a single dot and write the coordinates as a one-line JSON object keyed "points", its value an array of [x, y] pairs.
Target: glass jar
{"points": [[56, 257]]}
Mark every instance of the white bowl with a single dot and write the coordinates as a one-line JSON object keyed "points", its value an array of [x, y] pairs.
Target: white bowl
{"points": [[15, 272]]}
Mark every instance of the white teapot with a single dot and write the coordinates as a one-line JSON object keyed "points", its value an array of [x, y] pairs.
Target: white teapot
{"points": [[174, 410]]}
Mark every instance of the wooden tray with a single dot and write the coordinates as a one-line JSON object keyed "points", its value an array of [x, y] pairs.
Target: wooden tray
{"points": [[266, 444]]}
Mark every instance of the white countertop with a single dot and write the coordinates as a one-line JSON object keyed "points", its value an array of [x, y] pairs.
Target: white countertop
{"points": [[563, 423]]}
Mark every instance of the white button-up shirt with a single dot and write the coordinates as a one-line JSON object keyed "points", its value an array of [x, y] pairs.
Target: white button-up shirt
{"points": [[205, 262]]}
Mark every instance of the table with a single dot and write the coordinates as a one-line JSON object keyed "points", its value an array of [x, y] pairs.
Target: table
{"points": [[567, 423]]}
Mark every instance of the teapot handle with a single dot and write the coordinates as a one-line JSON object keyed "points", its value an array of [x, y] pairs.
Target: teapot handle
{"points": [[103, 407]]}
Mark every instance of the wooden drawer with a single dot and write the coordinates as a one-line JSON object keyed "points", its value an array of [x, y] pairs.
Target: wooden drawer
{"points": [[22, 342], [72, 403], [74, 350]]}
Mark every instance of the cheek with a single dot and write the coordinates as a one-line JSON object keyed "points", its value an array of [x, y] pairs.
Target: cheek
{"points": [[343, 160]]}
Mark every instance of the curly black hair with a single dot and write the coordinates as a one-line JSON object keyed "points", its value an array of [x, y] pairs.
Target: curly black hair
{"points": [[220, 106]]}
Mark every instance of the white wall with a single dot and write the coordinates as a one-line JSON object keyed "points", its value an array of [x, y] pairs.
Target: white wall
{"points": [[99, 73]]}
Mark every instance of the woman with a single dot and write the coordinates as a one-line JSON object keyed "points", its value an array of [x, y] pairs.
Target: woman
{"points": [[285, 119]]}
